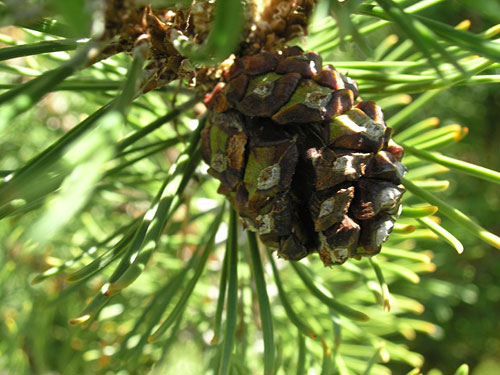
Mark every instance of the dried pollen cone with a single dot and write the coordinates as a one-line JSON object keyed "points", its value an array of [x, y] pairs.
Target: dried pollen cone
{"points": [[307, 164]]}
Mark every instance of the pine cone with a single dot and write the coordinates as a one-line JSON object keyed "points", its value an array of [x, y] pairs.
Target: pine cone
{"points": [[307, 165]]}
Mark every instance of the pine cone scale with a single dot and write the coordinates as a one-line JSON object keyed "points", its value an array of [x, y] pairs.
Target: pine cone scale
{"points": [[267, 95]]}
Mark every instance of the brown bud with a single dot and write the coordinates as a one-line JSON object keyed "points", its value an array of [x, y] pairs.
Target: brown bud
{"points": [[266, 96], [374, 232], [273, 221], [372, 110], [291, 249], [269, 170], [291, 51], [342, 101], [329, 78], [234, 71], [314, 103], [316, 59], [332, 168], [220, 103], [307, 65], [375, 196], [313, 109], [235, 90], [261, 63], [339, 242], [304, 238], [239, 198], [387, 137], [356, 131], [300, 64], [351, 85], [329, 206], [396, 150], [223, 142], [384, 166]]}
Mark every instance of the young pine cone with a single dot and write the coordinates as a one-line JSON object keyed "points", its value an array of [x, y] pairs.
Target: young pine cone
{"points": [[306, 165]]}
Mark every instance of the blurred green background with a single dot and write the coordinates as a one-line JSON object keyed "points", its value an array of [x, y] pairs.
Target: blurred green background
{"points": [[468, 315]]}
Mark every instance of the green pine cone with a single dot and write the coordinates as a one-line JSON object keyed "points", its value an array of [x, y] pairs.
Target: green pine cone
{"points": [[307, 164]]}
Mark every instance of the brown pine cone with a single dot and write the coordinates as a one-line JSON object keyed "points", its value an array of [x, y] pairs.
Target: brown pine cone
{"points": [[308, 165]]}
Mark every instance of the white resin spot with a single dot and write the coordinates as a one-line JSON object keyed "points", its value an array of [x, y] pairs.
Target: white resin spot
{"points": [[344, 165], [268, 177], [219, 162], [337, 254], [265, 224], [326, 207], [400, 169], [389, 197], [373, 130], [248, 224], [399, 211], [313, 67], [340, 254], [363, 124], [235, 123], [317, 100], [264, 88], [383, 232]]}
